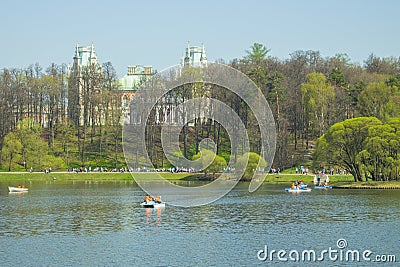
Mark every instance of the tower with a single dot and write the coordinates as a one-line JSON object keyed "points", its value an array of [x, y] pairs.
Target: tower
{"points": [[195, 56], [85, 65]]}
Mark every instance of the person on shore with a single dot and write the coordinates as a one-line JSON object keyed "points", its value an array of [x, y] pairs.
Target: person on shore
{"points": [[327, 179]]}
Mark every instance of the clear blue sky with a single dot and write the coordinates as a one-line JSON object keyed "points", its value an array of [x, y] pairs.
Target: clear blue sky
{"points": [[155, 32]]}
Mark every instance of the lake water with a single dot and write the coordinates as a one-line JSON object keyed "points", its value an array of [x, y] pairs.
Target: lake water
{"points": [[102, 224]]}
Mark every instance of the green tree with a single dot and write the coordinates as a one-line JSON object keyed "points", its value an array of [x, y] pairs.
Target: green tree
{"points": [[11, 149], [217, 164], [336, 77], [254, 163], [381, 152], [317, 96], [257, 53], [342, 143], [34, 149], [379, 100]]}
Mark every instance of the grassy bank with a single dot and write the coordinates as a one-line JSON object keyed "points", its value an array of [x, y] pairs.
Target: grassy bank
{"points": [[340, 181], [92, 176], [343, 181]]}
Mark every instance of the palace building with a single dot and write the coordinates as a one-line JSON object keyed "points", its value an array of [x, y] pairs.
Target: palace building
{"points": [[195, 56], [130, 83], [167, 112], [85, 58]]}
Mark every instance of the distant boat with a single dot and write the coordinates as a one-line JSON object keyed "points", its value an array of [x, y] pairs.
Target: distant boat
{"points": [[152, 204], [12, 189], [298, 190]]}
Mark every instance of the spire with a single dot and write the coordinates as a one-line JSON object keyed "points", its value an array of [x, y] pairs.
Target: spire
{"points": [[92, 56], [77, 50], [91, 50], [188, 61], [182, 59], [203, 57]]}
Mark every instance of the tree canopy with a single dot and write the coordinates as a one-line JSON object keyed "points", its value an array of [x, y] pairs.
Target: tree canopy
{"points": [[218, 163], [363, 145], [257, 53]]}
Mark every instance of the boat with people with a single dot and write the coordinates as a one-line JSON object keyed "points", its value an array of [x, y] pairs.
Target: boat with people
{"points": [[298, 186], [17, 189], [151, 202]]}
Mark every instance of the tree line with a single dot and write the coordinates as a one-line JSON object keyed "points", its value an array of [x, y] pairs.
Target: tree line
{"points": [[307, 93], [76, 113]]}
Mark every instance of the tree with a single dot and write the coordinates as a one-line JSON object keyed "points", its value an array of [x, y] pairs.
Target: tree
{"points": [[254, 163], [11, 149], [342, 143], [380, 156], [65, 133], [317, 95], [382, 65], [217, 164], [379, 100], [257, 53]]}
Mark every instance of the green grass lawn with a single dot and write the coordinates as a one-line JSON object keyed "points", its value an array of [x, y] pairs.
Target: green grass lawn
{"points": [[337, 180], [93, 176]]}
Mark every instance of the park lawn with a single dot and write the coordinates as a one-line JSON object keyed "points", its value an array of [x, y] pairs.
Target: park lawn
{"points": [[369, 184], [308, 179], [335, 180], [92, 176]]}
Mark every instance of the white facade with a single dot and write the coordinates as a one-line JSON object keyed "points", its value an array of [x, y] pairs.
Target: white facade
{"points": [[195, 56]]}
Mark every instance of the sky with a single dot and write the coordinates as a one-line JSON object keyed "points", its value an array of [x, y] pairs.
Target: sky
{"points": [[155, 33]]}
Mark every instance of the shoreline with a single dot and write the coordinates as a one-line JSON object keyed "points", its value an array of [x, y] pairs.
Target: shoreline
{"points": [[336, 181]]}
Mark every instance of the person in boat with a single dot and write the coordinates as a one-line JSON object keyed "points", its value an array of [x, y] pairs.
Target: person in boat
{"points": [[296, 185], [148, 198], [158, 199]]}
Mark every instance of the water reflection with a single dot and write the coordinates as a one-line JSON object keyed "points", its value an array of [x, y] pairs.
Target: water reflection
{"points": [[19, 194], [153, 215], [93, 218], [89, 208]]}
